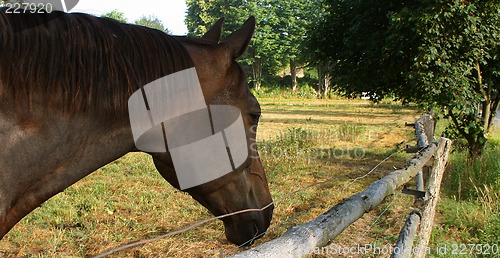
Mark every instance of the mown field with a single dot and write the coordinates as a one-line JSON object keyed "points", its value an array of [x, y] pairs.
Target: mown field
{"points": [[301, 142]]}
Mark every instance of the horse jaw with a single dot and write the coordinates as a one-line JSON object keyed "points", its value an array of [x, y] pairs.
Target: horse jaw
{"points": [[252, 194], [240, 190]]}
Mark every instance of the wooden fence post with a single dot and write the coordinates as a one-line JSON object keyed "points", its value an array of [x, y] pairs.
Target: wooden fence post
{"points": [[429, 210], [422, 142], [428, 126], [424, 131]]}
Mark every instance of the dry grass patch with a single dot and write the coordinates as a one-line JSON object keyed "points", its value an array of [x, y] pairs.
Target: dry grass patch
{"points": [[128, 200]]}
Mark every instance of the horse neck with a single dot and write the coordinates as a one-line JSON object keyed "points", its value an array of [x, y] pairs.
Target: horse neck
{"points": [[44, 153]]}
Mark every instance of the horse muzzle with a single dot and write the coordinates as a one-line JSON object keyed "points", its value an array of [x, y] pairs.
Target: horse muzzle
{"points": [[244, 228]]}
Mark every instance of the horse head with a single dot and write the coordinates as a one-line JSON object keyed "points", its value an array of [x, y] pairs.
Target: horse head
{"points": [[223, 82]]}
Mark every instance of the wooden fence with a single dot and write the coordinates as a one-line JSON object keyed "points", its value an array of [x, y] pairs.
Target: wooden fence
{"points": [[302, 240]]}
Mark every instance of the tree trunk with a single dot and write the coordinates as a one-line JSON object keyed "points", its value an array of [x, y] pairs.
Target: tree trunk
{"points": [[257, 73], [494, 108], [321, 81], [486, 105], [324, 79], [293, 74], [486, 116], [327, 83], [476, 146], [493, 103], [475, 141]]}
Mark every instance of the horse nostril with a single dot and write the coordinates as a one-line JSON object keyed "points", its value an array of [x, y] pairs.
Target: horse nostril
{"points": [[244, 229], [256, 235]]}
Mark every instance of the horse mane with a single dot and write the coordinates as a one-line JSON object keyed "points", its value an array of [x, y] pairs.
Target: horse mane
{"points": [[195, 40], [81, 63]]}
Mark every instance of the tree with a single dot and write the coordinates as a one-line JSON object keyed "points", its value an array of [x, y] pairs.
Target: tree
{"points": [[311, 53], [152, 22], [294, 18], [439, 54], [278, 36], [116, 15], [201, 15]]}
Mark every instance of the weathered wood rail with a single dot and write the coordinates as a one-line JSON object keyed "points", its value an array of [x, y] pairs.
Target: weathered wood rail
{"points": [[424, 131], [302, 240], [404, 246]]}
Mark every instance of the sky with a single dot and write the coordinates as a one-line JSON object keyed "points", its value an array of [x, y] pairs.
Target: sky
{"points": [[170, 12]]}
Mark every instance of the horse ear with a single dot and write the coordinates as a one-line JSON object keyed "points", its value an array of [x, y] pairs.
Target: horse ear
{"points": [[213, 34], [238, 41]]}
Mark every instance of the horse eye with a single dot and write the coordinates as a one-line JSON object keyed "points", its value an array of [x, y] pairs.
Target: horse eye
{"points": [[255, 117]]}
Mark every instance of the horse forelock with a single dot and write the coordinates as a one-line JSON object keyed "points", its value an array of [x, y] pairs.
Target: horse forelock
{"points": [[81, 63]]}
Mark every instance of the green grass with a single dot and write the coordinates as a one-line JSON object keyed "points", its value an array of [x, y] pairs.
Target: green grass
{"points": [[301, 141], [470, 207], [466, 177], [306, 92]]}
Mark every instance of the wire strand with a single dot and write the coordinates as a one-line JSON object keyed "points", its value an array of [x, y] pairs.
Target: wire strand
{"points": [[315, 204], [199, 223]]}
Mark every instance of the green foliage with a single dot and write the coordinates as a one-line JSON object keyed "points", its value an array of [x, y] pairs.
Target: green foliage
{"points": [[279, 35], [295, 139], [489, 233], [152, 22], [349, 39], [305, 91], [146, 21], [470, 207], [297, 145], [439, 54], [116, 15], [467, 222]]}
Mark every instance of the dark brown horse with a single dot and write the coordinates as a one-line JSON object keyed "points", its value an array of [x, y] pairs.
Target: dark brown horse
{"points": [[64, 84]]}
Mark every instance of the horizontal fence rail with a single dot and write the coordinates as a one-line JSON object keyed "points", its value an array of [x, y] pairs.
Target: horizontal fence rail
{"points": [[404, 245], [424, 131], [300, 241]]}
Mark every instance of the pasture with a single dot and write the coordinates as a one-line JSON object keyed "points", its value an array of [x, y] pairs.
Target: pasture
{"points": [[301, 142]]}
